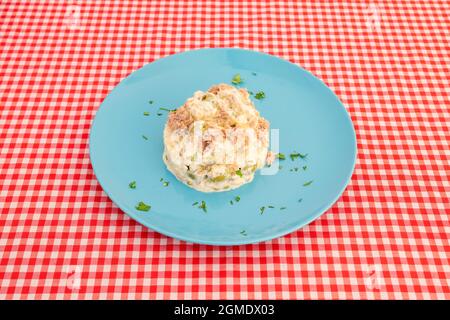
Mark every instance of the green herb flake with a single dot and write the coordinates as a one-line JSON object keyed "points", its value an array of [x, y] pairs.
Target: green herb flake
{"points": [[303, 156], [168, 110], [244, 233], [195, 203], [304, 168], [191, 175], [281, 156], [237, 198], [270, 207], [145, 137], [141, 206], [307, 183], [132, 185], [300, 200], [253, 73], [203, 206], [159, 114], [261, 210], [296, 155], [150, 101], [239, 173], [236, 79], [260, 95], [146, 113], [166, 183], [283, 208], [231, 202]]}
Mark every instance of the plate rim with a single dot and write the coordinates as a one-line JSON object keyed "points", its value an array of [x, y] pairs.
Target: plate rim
{"points": [[240, 241]]}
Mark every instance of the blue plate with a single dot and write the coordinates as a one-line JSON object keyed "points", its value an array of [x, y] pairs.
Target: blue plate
{"points": [[310, 118]]}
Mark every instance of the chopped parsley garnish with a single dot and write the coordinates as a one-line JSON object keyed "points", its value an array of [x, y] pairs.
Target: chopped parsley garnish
{"points": [[250, 92], [164, 183], [281, 156], [296, 155], [141, 206], [270, 207], [203, 206], [132, 185], [300, 200], [150, 101], [145, 137], [294, 169], [195, 203], [261, 210], [237, 199], [254, 73], [307, 183], [191, 175], [239, 173], [304, 168], [159, 114], [236, 79], [244, 233], [283, 208], [146, 113], [168, 110], [260, 95]]}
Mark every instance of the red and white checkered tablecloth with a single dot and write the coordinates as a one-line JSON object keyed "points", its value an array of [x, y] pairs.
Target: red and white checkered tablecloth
{"points": [[386, 238]]}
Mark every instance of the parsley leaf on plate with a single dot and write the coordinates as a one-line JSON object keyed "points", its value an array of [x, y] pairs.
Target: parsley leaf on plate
{"points": [[260, 95], [307, 183], [141, 206], [203, 206], [236, 79]]}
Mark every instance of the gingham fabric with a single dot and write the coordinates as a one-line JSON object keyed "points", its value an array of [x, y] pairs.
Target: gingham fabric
{"points": [[387, 237]]}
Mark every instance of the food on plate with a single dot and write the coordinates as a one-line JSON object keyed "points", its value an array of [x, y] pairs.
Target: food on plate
{"points": [[216, 140]]}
